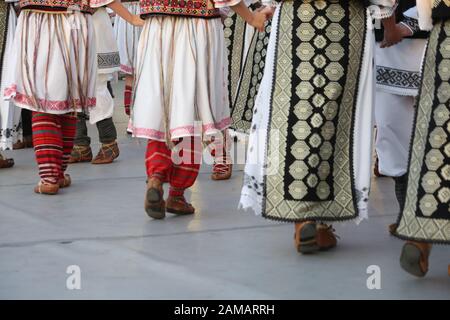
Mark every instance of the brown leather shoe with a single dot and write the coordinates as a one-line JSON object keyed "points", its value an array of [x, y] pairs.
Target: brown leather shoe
{"points": [[414, 258], [222, 172], [325, 237], [305, 237], [46, 188], [392, 228], [223, 167], [6, 163], [26, 142], [179, 205], [154, 203], [65, 182], [80, 154], [107, 153]]}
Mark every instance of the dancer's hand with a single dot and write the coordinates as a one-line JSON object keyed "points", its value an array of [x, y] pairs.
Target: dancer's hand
{"points": [[123, 12], [395, 35], [267, 10], [260, 16], [255, 19], [393, 32], [137, 21]]}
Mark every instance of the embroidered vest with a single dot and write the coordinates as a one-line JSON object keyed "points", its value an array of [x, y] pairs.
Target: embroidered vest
{"points": [[82, 5], [188, 8]]}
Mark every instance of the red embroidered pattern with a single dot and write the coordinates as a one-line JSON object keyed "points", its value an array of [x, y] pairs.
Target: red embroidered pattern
{"points": [[82, 5], [179, 132], [190, 8], [49, 105], [126, 69]]}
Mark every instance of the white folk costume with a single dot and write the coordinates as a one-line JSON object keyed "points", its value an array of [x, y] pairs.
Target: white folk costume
{"points": [[10, 126], [62, 79], [53, 74], [127, 37], [181, 75], [108, 63], [398, 80], [310, 144], [426, 215], [180, 95]]}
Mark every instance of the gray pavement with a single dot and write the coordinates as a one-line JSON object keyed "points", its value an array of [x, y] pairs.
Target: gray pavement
{"points": [[220, 253]]}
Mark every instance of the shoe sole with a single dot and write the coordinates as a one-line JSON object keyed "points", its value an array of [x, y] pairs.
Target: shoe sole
{"points": [[220, 178], [308, 243], [410, 260], [46, 193], [179, 212], [80, 161], [102, 162], [105, 161], [153, 204], [53, 193], [327, 248]]}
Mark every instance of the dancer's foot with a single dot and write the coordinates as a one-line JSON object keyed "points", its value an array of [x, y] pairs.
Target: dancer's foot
{"points": [[5, 162], [392, 228], [305, 237], [179, 205], [222, 171], [46, 188], [65, 182], [223, 167], [154, 203], [414, 258], [80, 154], [26, 142], [107, 153], [325, 237]]}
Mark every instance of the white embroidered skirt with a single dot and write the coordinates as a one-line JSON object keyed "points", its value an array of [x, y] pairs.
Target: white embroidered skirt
{"points": [[55, 66], [127, 37], [181, 79]]}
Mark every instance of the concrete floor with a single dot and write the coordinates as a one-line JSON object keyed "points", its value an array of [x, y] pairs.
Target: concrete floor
{"points": [[220, 253]]}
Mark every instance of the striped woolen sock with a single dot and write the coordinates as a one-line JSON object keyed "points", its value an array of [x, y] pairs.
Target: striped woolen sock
{"points": [[68, 128], [48, 146]]}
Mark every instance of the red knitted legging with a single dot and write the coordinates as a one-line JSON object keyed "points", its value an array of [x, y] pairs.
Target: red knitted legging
{"points": [[53, 142], [158, 162]]}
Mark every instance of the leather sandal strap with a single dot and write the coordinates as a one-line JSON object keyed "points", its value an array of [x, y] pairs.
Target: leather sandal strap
{"points": [[108, 148]]}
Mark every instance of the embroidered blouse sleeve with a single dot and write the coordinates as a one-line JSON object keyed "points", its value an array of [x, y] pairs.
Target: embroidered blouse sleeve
{"points": [[99, 3], [225, 3], [424, 8], [382, 9]]}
